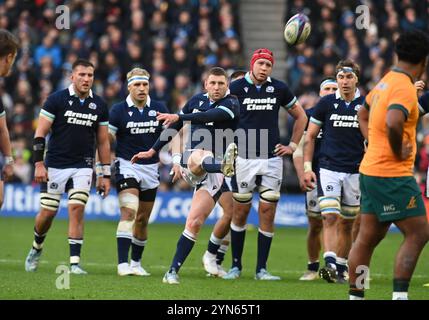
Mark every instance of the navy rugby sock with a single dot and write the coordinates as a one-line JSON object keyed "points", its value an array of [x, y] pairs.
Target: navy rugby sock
{"points": [[264, 244], [123, 249], [238, 235], [75, 247], [137, 247], [184, 246]]}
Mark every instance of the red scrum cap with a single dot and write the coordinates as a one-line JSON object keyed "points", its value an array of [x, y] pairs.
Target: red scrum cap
{"points": [[262, 53]]}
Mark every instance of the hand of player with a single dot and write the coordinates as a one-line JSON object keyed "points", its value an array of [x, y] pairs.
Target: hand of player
{"points": [[168, 118], [7, 172], [309, 180], [103, 186], [143, 155], [176, 172], [282, 150], [420, 85], [407, 148], [40, 172], [302, 184]]}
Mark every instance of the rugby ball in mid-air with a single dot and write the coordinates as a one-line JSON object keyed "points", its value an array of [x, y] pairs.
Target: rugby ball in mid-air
{"points": [[297, 29]]}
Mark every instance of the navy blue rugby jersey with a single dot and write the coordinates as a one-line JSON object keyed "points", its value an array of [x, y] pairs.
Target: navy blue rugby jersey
{"points": [[74, 128], [135, 130], [424, 103], [317, 143], [209, 135], [342, 146], [259, 110]]}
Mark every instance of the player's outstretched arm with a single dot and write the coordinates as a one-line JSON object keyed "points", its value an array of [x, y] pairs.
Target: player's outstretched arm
{"points": [[103, 147], [217, 114]]}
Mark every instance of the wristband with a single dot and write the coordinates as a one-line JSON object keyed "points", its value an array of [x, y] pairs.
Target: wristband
{"points": [[98, 170], [293, 145], [177, 157], [106, 170], [38, 149], [308, 167], [8, 160]]}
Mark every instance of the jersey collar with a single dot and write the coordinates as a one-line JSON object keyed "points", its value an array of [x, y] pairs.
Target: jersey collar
{"points": [[208, 98], [130, 102], [338, 95], [396, 69], [249, 80], [73, 93]]}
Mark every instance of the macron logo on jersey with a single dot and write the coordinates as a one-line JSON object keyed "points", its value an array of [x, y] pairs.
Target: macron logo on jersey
{"points": [[344, 121], [143, 127], [82, 119], [259, 104]]}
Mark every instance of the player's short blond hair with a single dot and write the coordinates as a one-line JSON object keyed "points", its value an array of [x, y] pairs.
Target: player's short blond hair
{"points": [[137, 72]]}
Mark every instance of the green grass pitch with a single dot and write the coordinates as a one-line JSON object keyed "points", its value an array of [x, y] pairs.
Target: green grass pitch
{"points": [[287, 259]]}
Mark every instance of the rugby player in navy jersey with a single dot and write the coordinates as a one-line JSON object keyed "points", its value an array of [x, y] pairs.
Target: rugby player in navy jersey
{"points": [[77, 120], [260, 162], [134, 125], [207, 158], [8, 50], [327, 86], [221, 231], [340, 154]]}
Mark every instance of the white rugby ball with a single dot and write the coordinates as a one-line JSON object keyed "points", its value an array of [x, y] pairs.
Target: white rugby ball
{"points": [[297, 29]]}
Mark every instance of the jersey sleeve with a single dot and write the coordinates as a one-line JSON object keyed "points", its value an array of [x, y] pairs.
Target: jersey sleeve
{"points": [[424, 103], [318, 113], [403, 99], [50, 108], [114, 120], [288, 99]]}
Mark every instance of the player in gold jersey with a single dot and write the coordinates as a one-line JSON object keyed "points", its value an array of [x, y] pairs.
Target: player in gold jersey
{"points": [[390, 193]]}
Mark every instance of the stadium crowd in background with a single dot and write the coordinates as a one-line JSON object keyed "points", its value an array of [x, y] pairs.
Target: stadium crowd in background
{"points": [[335, 37], [175, 40]]}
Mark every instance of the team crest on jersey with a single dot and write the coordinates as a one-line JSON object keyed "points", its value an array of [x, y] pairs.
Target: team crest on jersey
{"points": [[335, 105], [70, 102], [357, 107], [270, 89], [201, 103], [152, 113], [130, 113], [246, 89], [92, 106]]}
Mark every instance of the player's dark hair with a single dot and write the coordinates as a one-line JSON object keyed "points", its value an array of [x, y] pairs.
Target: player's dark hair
{"points": [[350, 64], [412, 46], [9, 44], [217, 71], [82, 62], [237, 74]]}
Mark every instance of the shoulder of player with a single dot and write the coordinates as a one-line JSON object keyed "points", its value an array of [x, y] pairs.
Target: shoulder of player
{"points": [[59, 94], [158, 105], [118, 106], [237, 86]]}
